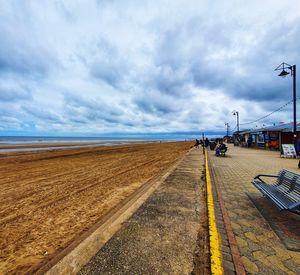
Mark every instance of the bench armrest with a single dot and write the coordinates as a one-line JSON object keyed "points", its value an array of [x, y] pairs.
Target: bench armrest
{"points": [[264, 175]]}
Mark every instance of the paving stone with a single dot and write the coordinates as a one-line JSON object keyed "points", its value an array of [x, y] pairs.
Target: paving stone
{"points": [[292, 265], [235, 226], [250, 266], [232, 215], [245, 222], [225, 248], [275, 261], [267, 270], [227, 256], [224, 242], [296, 256], [260, 256], [246, 253], [282, 253], [268, 250], [246, 229], [252, 246], [263, 238], [241, 242], [228, 265], [223, 232], [229, 272], [251, 236]]}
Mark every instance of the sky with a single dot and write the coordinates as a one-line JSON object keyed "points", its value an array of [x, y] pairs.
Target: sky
{"points": [[114, 67]]}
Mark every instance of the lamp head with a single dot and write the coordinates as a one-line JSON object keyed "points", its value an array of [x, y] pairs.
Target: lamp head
{"points": [[284, 73]]}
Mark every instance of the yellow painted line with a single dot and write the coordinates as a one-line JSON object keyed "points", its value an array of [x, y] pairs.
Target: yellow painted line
{"points": [[214, 239]]}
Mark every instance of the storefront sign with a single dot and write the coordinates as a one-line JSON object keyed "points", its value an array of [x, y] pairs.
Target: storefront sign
{"points": [[289, 150]]}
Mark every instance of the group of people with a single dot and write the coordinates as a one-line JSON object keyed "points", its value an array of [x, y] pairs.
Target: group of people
{"points": [[200, 142], [220, 147]]}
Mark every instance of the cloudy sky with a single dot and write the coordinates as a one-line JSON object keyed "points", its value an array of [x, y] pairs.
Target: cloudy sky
{"points": [[97, 67]]}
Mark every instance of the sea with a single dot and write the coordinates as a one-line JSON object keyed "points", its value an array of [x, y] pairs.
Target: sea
{"points": [[18, 140], [37, 143]]}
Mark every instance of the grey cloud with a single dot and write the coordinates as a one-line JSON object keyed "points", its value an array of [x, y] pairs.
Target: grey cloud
{"points": [[10, 123], [22, 51], [107, 64], [83, 110], [65, 11], [171, 81], [259, 92], [8, 94], [186, 47], [11, 116], [42, 114], [155, 102], [259, 84], [107, 72], [19, 58], [154, 107]]}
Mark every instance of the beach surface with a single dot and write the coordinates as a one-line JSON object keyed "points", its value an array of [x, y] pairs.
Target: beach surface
{"points": [[49, 199]]}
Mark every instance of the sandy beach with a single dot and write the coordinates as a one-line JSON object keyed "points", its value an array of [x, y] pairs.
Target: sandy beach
{"points": [[48, 199]]}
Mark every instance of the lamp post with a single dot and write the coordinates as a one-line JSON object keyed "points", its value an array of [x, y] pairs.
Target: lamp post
{"points": [[203, 147], [227, 129], [283, 67], [236, 113]]}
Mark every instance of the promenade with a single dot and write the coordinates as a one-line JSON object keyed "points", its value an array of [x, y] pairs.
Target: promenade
{"points": [[256, 237], [167, 234]]}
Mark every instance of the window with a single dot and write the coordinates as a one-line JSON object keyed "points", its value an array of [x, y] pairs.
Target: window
{"points": [[260, 138]]}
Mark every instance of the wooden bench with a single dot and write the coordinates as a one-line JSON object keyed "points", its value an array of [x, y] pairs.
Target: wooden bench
{"points": [[284, 192]]}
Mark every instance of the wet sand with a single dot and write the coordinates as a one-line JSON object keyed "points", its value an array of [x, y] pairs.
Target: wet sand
{"points": [[6, 149], [48, 199]]}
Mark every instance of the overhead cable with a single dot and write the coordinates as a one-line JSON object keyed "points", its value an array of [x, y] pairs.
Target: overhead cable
{"points": [[277, 110]]}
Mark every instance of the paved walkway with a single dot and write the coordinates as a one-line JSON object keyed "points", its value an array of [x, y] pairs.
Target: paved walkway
{"points": [[261, 249], [164, 235]]}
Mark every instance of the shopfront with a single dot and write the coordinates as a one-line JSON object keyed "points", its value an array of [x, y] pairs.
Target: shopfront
{"points": [[272, 139]]}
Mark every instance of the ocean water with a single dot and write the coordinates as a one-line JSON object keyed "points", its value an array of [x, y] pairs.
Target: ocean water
{"points": [[17, 140], [35, 143]]}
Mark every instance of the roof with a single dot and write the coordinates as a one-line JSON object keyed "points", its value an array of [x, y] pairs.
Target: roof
{"points": [[284, 127]]}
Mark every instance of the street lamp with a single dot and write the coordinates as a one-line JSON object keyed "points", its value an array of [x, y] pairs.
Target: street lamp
{"points": [[283, 67], [227, 129], [236, 113]]}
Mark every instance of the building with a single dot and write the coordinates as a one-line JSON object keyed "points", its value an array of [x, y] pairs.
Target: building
{"points": [[268, 137]]}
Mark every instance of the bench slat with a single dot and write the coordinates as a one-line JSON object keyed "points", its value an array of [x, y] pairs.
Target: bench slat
{"points": [[281, 201], [284, 192]]}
